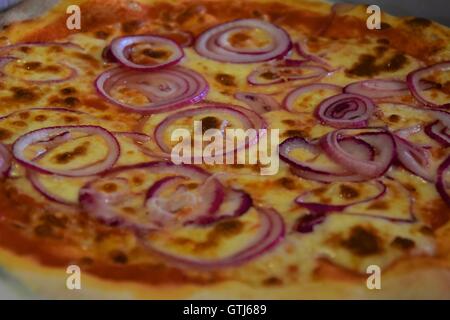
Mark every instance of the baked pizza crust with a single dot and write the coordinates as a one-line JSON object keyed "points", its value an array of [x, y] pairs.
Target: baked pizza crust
{"points": [[410, 278]]}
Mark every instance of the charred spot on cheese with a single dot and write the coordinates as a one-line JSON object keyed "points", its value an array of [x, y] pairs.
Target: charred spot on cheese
{"points": [[32, 65], [118, 257], [418, 22], [402, 243], [362, 242], [54, 220], [101, 34], [287, 183], [227, 228], [23, 94], [44, 230], [19, 123], [131, 26], [383, 41], [294, 133], [71, 101], [385, 25], [225, 79], [394, 118], [210, 123], [367, 65], [68, 91], [66, 157], [348, 192], [109, 187], [40, 118], [272, 281], [5, 134], [157, 54], [289, 122], [191, 11], [381, 49], [137, 180], [70, 119], [379, 205], [269, 75]]}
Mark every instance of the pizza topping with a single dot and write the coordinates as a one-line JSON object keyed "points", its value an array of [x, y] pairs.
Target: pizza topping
{"points": [[308, 199], [403, 243], [381, 141], [235, 116], [272, 74], [443, 180], [225, 79], [439, 132], [243, 41], [414, 79], [345, 111], [153, 92], [362, 242], [310, 162], [5, 160], [308, 222], [290, 100], [383, 88], [32, 150], [259, 102], [146, 52], [270, 230], [414, 158], [302, 51]]}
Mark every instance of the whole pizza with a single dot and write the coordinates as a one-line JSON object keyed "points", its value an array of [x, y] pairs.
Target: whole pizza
{"points": [[225, 149]]}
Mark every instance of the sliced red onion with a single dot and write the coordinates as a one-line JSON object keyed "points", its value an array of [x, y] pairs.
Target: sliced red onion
{"points": [[214, 43], [35, 181], [289, 100], [45, 134], [105, 205], [442, 181], [382, 142], [108, 56], [268, 75], [121, 48], [414, 80], [406, 132], [259, 102], [382, 88], [5, 160], [324, 173], [300, 47], [271, 232], [319, 207], [162, 211], [248, 119], [235, 204], [414, 158], [166, 90], [440, 132], [345, 111]]}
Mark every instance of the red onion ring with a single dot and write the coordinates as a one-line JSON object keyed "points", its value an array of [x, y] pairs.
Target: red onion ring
{"points": [[289, 100], [214, 44], [5, 161], [44, 134], [259, 102], [439, 132], [168, 89], [414, 158], [121, 46], [303, 52], [280, 74], [318, 207], [381, 141], [382, 88], [322, 173], [247, 117], [345, 111], [212, 193], [271, 232], [441, 184], [413, 80]]}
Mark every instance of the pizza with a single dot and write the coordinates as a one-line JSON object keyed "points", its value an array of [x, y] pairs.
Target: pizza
{"points": [[351, 201]]}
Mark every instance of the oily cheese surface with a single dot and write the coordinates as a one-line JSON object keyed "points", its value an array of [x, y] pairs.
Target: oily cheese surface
{"points": [[39, 238]]}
